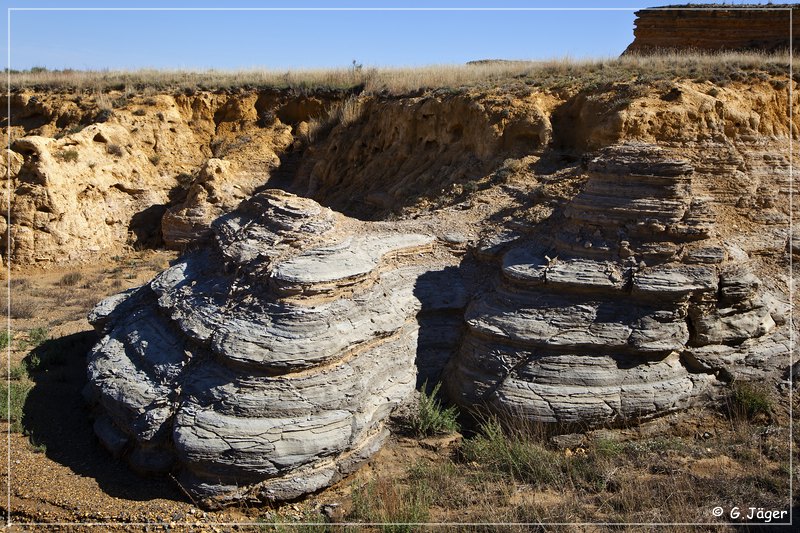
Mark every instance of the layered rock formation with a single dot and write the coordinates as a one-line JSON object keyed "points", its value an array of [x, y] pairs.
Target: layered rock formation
{"points": [[264, 365], [603, 316], [715, 28]]}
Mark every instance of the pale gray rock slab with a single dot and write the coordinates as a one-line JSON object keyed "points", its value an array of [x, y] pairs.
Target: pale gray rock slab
{"points": [[496, 244], [738, 284], [674, 281], [732, 326], [282, 335], [268, 221], [586, 274], [706, 255], [580, 389], [100, 313], [346, 262], [571, 322], [525, 265]]}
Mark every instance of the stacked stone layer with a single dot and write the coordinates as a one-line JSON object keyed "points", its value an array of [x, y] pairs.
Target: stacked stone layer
{"points": [[715, 27], [264, 366], [592, 324]]}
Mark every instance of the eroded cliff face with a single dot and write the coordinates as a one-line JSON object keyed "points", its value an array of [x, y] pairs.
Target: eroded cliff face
{"points": [[715, 28], [152, 170]]}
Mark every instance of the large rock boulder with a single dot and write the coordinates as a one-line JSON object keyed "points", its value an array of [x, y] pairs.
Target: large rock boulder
{"points": [[265, 365], [607, 314]]}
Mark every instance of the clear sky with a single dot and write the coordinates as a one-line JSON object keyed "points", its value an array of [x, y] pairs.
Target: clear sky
{"points": [[308, 39]]}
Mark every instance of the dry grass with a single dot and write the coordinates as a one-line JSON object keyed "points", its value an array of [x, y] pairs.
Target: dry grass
{"points": [[70, 279], [22, 306], [554, 73]]}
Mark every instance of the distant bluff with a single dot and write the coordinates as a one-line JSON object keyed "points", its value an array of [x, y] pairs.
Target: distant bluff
{"points": [[715, 28]]}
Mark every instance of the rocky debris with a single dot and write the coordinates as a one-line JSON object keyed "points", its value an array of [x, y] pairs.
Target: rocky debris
{"points": [[592, 321], [264, 366], [714, 27]]}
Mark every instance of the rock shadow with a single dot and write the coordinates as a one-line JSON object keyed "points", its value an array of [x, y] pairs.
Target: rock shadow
{"points": [[57, 417], [146, 227], [444, 296]]}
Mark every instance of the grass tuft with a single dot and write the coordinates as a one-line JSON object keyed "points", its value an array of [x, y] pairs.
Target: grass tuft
{"points": [[431, 419], [11, 411], [747, 401], [391, 504], [70, 279], [517, 455], [68, 156]]}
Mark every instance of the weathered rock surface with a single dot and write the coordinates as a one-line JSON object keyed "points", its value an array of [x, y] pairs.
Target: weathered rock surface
{"points": [[592, 322], [85, 180], [264, 366], [715, 27]]}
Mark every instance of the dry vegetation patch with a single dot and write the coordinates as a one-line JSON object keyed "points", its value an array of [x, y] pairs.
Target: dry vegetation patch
{"points": [[555, 73]]}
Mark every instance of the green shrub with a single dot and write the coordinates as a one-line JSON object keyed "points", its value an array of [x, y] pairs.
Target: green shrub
{"points": [[18, 372], [431, 418], [747, 401], [5, 339], [35, 337], [516, 454], [12, 400]]}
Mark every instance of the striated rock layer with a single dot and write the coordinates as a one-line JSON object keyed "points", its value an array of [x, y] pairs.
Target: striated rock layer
{"points": [[623, 311], [263, 366], [714, 27]]}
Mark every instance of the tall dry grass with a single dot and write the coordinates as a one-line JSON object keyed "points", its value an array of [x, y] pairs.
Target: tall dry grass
{"points": [[553, 72]]}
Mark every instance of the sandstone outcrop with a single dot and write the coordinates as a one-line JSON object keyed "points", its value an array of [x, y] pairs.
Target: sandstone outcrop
{"points": [[264, 365], [712, 27], [593, 318], [86, 180], [92, 179], [424, 143]]}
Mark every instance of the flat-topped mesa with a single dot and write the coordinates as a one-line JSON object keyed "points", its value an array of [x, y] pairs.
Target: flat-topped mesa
{"points": [[592, 325], [712, 27], [220, 369]]}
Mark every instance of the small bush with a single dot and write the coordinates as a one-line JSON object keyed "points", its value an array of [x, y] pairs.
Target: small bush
{"points": [[70, 279], [139, 112], [155, 159], [12, 401], [430, 418], [748, 401], [5, 339], [114, 149], [35, 337], [18, 372], [68, 156], [514, 454]]}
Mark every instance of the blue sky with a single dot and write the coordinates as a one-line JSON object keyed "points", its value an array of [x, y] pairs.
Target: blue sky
{"points": [[307, 39]]}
